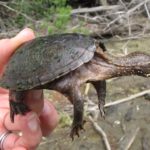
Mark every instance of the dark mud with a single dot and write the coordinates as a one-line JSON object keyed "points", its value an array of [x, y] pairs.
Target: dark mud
{"points": [[122, 121]]}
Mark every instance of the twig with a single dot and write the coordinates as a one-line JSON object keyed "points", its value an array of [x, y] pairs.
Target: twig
{"points": [[87, 87], [124, 48], [129, 139], [95, 9], [24, 15], [88, 19], [128, 98], [129, 38], [112, 22], [93, 107], [132, 139], [136, 7], [125, 14], [147, 11], [101, 132], [123, 4], [129, 25]]}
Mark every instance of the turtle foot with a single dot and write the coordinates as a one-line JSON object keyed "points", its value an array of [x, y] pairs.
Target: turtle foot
{"points": [[76, 129], [17, 108], [101, 108]]}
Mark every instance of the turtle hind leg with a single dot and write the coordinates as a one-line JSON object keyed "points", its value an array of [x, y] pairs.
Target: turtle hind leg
{"points": [[69, 86], [100, 87], [17, 105], [74, 95]]}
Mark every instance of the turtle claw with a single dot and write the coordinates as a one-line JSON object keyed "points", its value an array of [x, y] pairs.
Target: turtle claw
{"points": [[75, 130], [102, 112], [17, 108]]}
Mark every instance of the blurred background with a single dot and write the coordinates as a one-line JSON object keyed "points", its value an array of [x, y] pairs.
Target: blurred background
{"points": [[123, 26]]}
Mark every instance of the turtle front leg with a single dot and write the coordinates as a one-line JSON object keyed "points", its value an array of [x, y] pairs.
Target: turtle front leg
{"points": [[17, 105], [100, 87], [77, 100]]}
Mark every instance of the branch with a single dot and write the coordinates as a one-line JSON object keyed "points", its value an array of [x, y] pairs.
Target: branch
{"points": [[147, 11], [129, 139], [125, 14], [118, 38], [137, 6], [87, 88], [128, 98], [95, 9], [18, 12], [101, 132], [95, 107]]}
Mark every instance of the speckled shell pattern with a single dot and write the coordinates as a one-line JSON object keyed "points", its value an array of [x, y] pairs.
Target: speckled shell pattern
{"points": [[45, 59]]}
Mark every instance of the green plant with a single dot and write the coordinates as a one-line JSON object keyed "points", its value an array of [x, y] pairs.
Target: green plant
{"points": [[54, 12], [64, 120], [62, 17]]}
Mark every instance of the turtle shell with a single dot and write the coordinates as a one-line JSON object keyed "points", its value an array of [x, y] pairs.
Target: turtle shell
{"points": [[45, 59]]}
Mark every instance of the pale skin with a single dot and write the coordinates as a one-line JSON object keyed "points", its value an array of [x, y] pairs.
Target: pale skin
{"points": [[42, 111]]}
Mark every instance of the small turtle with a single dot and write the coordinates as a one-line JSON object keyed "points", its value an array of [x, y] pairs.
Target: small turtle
{"points": [[63, 62]]}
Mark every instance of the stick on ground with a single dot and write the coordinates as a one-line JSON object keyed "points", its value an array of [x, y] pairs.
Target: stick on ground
{"points": [[101, 132], [128, 98], [127, 142]]}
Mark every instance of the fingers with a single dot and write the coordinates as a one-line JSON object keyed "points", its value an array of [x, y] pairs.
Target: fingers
{"points": [[8, 46], [29, 126], [25, 35], [48, 118], [19, 148], [3, 91], [4, 101]]}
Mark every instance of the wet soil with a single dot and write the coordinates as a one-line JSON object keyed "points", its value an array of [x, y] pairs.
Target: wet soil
{"points": [[122, 121]]}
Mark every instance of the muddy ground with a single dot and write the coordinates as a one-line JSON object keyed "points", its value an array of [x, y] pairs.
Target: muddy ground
{"points": [[122, 122]]}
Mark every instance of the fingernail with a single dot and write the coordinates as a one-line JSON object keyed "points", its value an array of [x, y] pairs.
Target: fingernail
{"points": [[26, 32], [23, 36], [33, 123]]}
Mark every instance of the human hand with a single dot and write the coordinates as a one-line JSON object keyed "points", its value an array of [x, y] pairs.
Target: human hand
{"points": [[33, 125]]}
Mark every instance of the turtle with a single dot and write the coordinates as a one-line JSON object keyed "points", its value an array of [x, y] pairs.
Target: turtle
{"points": [[63, 62]]}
